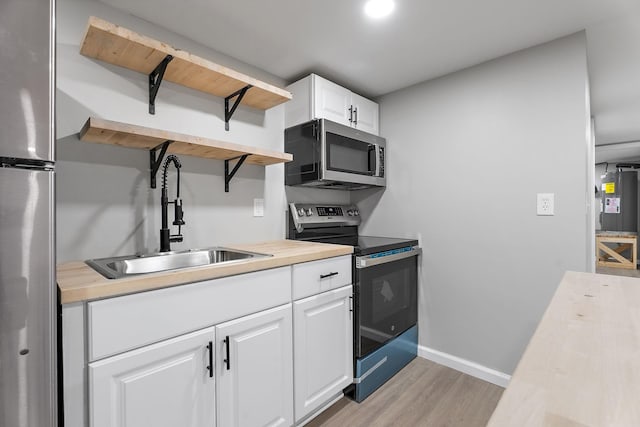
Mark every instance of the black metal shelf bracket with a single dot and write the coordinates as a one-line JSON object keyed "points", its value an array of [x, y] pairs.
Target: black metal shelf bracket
{"points": [[228, 175], [155, 78], [239, 94], [154, 164]]}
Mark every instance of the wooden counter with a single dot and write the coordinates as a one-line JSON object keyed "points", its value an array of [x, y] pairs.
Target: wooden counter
{"points": [[79, 282], [582, 365]]}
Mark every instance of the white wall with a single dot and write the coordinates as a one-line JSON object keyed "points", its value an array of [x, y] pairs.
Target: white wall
{"points": [[467, 154], [105, 205]]}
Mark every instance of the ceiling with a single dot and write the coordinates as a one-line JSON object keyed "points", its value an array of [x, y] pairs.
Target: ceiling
{"points": [[421, 40]]}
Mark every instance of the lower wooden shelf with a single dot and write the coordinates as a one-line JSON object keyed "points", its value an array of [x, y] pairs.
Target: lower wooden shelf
{"points": [[132, 136]]}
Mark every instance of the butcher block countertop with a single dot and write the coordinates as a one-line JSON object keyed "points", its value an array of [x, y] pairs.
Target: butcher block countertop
{"points": [[582, 365], [79, 282]]}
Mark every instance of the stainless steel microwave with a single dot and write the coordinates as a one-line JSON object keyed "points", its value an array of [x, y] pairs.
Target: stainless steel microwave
{"points": [[330, 155]]}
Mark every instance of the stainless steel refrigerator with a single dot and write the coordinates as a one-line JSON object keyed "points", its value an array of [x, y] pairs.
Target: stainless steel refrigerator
{"points": [[28, 304]]}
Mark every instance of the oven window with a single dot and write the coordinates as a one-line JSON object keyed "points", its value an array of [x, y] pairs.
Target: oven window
{"points": [[349, 155], [390, 295], [387, 302]]}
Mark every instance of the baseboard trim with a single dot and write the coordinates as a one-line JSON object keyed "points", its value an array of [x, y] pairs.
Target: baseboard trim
{"points": [[465, 366]]}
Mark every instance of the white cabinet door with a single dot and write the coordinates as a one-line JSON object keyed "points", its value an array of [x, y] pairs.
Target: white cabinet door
{"points": [[331, 101], [254, 371], [366, 114], [323, 348], [166, 384]]}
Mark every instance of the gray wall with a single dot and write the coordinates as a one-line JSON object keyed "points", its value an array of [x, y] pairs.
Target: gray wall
{"points": [[105, 206], [467, 154]]}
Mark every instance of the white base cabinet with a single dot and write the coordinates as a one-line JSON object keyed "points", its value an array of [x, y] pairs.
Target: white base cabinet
{"points": [[167, 384], [255, 379], [323, 349], [218, 352], [315, 97]]}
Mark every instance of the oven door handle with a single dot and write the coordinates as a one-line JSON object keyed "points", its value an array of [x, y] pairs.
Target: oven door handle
{"points": [[368, 261]]}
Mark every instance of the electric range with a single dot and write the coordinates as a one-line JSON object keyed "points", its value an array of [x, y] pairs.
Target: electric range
{"points": [[385, 282]]}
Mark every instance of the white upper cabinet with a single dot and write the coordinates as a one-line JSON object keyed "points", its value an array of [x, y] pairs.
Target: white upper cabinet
{"points": [[365, 114], [332, 102], [317, 98]]}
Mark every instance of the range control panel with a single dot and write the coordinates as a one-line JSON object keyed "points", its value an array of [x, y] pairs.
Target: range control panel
{"points": [[312, 215], [329, 211]]}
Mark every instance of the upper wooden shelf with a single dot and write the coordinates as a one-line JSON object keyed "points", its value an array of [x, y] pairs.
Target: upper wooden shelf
{"points": [[132, 136], [116, 45]]}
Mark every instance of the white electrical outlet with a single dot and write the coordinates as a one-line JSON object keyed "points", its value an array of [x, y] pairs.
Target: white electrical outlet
{"points": [[258, 207], [545, 204]]}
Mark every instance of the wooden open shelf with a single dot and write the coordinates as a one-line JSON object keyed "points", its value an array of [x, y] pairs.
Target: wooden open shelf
{"points": [[116, 45], [132, 136]]}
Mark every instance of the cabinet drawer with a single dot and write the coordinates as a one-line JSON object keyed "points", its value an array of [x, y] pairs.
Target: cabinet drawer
{"points": [[123, 323], [311, 278]]}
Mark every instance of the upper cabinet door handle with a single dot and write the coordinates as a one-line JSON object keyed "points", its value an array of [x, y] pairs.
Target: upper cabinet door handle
{"points": [[350, 113], [355, 113], [324, 276]]}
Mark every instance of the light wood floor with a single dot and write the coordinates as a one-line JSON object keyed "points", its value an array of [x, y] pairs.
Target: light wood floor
{"points": [[422, 394]]}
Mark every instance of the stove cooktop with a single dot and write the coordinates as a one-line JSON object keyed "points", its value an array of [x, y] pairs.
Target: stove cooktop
{"points": [[338, 224], [371, 244]]}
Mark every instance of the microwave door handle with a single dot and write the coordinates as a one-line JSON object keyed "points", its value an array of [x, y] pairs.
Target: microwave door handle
{"points": [[378, 161]]}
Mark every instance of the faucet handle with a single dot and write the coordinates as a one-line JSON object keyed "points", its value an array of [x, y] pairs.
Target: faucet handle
{"points": [[178, 213]]}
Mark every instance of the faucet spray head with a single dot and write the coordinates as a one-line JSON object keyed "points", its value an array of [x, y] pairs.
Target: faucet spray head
{"points": [[178, 213]]}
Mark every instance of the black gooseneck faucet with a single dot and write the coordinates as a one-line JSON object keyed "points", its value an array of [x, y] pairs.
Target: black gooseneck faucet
{"points": [[165, 237]]}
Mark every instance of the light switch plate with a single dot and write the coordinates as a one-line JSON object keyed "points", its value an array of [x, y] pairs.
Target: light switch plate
{"points": [[258, 207], [545, 204]]}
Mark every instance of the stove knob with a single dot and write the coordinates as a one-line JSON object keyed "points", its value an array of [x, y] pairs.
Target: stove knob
{"points": [[350, 212], [309, 212], [300, 212], [356, 212]]}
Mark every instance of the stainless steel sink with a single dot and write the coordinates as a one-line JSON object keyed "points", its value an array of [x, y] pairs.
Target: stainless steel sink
{"points": [[117, 267]]}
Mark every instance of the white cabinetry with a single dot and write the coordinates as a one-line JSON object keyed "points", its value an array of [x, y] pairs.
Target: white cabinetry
{"points": [[255, 382], [167, 384], [322, 333], [323, 348], [317, 98], [218, 352]]}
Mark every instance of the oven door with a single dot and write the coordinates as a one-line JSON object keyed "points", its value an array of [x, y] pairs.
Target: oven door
{"points": [[386, 287]]}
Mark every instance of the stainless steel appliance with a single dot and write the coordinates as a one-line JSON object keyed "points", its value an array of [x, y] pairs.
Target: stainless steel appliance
{"points": [[385, 291], [330, 155], [28, 339]]}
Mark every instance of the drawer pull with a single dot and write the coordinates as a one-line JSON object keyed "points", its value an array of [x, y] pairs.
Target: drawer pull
{"points": [[324, 276]]}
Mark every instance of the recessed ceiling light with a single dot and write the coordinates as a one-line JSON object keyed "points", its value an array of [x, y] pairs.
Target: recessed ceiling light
{"points": [[378, 8]]}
